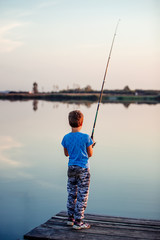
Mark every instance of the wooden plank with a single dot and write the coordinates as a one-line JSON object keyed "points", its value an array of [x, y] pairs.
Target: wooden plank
{"points": [[54, 221], [116, 219], [59, 233], [102, 227], [100, 230], [118, 230]]}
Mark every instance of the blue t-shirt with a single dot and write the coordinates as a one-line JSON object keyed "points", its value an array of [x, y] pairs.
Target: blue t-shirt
{"points": [[76, 144]]}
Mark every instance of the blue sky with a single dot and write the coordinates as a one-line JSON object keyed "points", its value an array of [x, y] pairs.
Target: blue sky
{"points": [[67, 42]]}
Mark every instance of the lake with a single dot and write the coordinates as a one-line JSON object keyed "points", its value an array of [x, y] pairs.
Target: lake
{"points": [[125, 167]]}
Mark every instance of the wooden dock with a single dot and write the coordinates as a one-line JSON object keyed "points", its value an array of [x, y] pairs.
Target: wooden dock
{"points": [[102, 228]]}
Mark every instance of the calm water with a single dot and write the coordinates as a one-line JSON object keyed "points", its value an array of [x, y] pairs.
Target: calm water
{"points": [[125, 179]]}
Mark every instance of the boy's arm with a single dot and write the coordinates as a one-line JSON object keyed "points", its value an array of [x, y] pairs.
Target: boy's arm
{"points": [[66, 152], [90, 151]]}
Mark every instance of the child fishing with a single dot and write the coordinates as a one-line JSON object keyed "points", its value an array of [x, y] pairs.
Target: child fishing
{"points": [[78, 147]]}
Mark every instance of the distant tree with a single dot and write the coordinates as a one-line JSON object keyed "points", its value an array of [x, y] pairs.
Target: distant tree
{"points": [[127, 89], [88, 88], [35, 87]]}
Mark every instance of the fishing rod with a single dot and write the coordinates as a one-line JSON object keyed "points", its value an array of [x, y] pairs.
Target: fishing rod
{"points": [[104, 78]]}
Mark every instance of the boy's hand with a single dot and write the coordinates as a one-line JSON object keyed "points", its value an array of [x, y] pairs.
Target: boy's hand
{"points": [[94, 143]]}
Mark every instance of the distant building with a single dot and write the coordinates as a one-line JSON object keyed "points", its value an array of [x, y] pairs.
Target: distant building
{"points": [[35, 87]]}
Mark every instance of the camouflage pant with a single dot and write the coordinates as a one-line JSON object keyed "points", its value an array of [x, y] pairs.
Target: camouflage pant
{"points": [[78, 190]]}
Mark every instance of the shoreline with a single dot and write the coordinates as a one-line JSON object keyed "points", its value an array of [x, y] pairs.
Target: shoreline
{"points": [[83, 97]]}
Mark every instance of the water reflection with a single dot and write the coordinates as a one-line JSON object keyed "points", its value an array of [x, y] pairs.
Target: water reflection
{"points": [[35, 105], [126, 105], [87, 104], [56, 104], [125, 178], [7, 143]]}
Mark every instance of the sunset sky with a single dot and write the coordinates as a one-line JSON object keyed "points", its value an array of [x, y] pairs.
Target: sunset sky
{"points": [[66, 43]]}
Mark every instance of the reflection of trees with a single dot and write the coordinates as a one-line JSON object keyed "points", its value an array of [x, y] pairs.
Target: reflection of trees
{"points": [[126, 105], [56, 105], [88, 104], [35, 105], [77, 104]]}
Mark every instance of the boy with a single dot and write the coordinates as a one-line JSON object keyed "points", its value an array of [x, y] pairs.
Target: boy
{"points": [[78, 146]]}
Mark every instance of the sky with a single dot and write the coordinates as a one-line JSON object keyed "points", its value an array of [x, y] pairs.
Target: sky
{"points": [[64, 44]]}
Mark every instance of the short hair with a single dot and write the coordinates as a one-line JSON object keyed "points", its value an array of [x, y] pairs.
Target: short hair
{"points": [[75, 118]]}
